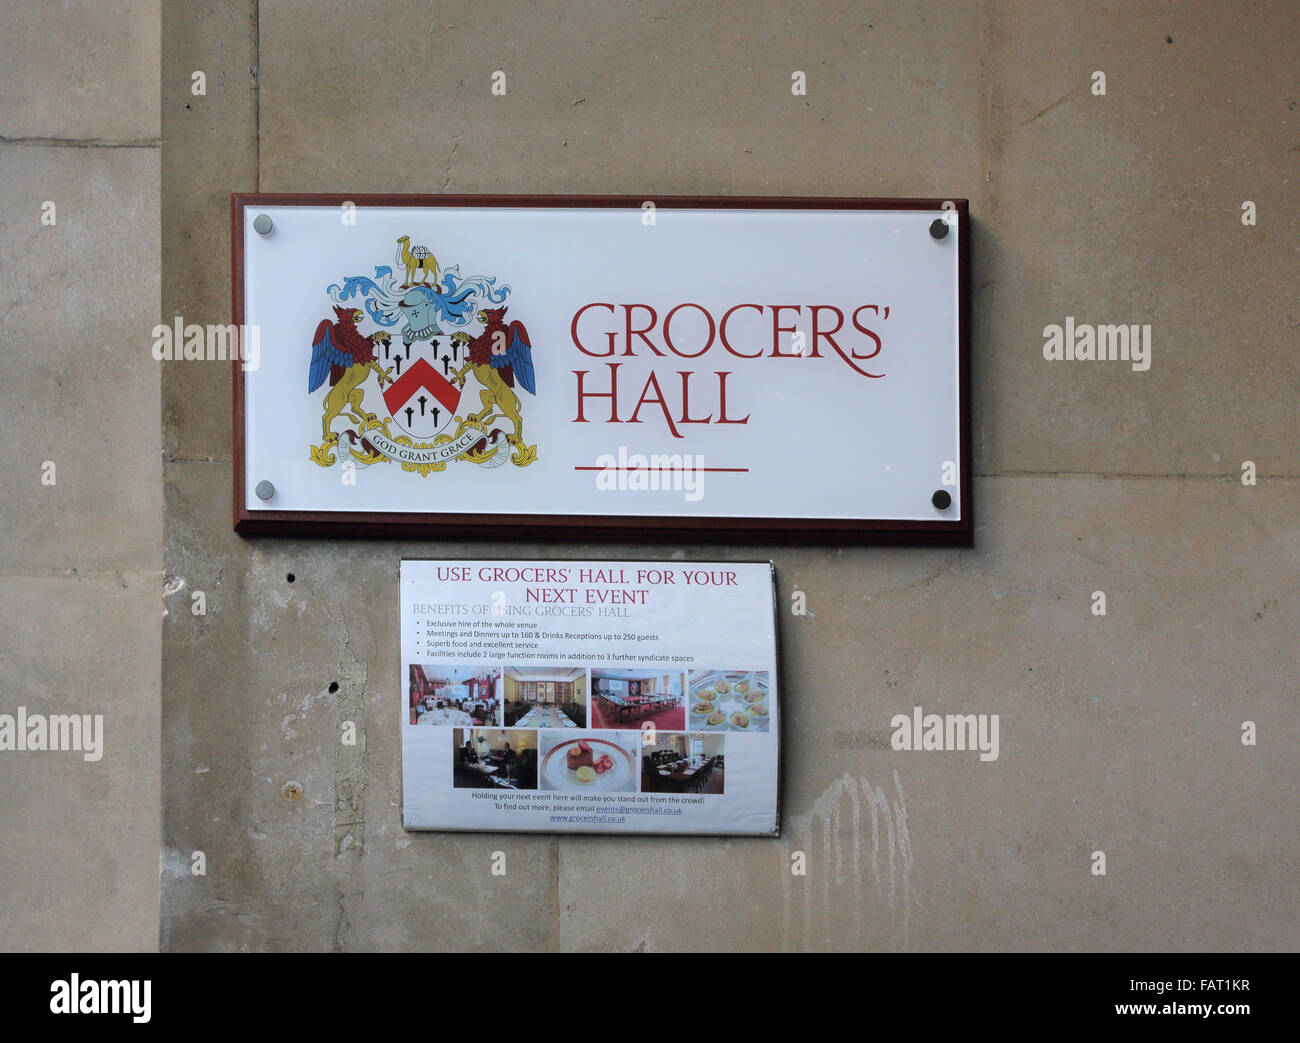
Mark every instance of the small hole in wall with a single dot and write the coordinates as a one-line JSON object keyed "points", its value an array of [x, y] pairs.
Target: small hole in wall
{"points": [[334, 687], [291, 577]]}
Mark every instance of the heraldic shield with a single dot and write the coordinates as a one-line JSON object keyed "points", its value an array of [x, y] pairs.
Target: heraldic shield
{"points": [[422, 401]]}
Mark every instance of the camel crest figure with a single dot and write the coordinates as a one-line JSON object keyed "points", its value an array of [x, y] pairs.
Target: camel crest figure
{"points": [[416, 260]]}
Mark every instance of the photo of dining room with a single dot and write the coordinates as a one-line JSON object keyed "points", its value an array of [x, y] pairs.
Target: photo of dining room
{"points": [[490, 758], [545, 697], [469, 696], [689, 763], [638, 697]]}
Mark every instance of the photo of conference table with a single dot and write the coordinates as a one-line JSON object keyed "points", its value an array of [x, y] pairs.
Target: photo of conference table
{"points": [[688, 774], [638, 697], [691, 763], [544, 717], [628, 706]]}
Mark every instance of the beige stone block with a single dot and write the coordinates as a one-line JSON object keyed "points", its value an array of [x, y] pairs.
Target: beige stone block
{"points": [[622, 99], [83, 387], [82, 69], [211, 145], [79, 864], [1126, 209]]}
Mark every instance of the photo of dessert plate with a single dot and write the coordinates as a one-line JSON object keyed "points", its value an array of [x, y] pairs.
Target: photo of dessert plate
{"points": [[557, 774]]}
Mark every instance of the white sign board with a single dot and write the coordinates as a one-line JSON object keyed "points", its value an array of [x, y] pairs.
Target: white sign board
{"points": [[544, 366], [589, 697]]}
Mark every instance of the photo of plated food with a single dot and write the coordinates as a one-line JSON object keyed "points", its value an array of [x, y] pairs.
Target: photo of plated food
{"points": [[589, 763], [730, 701]]}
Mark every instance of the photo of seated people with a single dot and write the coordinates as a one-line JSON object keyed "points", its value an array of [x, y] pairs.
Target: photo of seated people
{"points": [[489, 758], [690, 763], [545, 697], [641, 696], [469, 696]]}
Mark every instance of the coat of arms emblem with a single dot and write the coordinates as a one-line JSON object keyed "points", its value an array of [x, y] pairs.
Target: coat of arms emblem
{"points": [[450, 329]]}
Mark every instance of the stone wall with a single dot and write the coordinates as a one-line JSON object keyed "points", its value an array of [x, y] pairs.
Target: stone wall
{"points": [[1119, 733]]}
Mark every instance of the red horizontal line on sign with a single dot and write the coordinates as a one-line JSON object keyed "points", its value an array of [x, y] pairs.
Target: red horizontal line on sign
{"points": [[727, 470]]}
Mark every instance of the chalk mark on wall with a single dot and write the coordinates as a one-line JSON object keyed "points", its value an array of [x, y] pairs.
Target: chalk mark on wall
{"points": [[819, 833]]}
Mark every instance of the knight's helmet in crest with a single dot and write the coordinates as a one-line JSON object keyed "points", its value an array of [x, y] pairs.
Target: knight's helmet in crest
{"points": [[418, 306]]}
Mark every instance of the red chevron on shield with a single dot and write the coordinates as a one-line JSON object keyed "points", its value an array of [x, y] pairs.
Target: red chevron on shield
{"points": [[422, 400]]}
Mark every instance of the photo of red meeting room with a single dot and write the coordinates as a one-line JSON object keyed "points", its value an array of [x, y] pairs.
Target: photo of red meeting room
{"points": [[640, 696], [690, 763]]}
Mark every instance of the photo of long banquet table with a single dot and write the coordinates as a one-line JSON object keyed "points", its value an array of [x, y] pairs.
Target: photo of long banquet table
{"points": [[638, 697], [545, 717], [691, 763], [545, 697]]}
